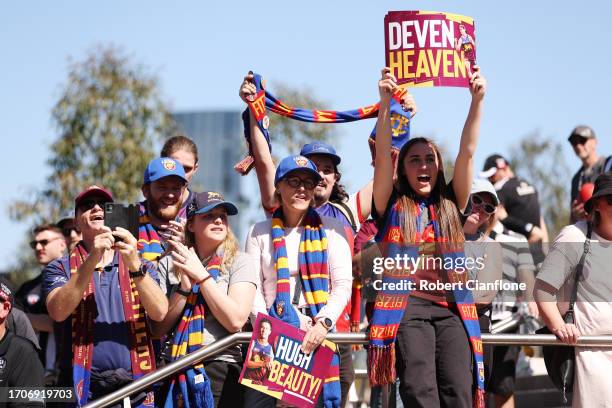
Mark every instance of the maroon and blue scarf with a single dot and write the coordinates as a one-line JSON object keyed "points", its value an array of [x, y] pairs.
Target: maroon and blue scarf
{"points": [[314, 274], [191, 388], [141, 349], [391, 304], [264, 101]]}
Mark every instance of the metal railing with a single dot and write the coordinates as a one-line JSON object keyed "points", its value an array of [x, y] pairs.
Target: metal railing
{"points": [[339, 338]]}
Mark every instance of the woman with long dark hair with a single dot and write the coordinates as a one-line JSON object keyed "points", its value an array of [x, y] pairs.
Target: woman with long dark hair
{"points": [[424, 330]]}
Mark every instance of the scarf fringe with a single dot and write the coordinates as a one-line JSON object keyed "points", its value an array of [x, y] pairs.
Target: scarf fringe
{"points": [[381, 365], [479, 399], [245, 165]]}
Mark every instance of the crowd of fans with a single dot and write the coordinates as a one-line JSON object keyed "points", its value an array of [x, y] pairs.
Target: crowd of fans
{"points": [[109, 306]]}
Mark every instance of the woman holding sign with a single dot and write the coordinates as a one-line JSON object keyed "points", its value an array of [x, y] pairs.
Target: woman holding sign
{"points": [[425, 333], [213, 300], [304, 267]]}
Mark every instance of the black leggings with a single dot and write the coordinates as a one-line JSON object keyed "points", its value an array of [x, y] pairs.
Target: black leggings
{"points": [[433, 357]]}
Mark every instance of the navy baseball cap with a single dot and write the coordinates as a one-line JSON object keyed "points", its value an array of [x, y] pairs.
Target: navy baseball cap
{"points": [[293, 163], [207, 201], [163, 167], [320, 148], [492, 164]]}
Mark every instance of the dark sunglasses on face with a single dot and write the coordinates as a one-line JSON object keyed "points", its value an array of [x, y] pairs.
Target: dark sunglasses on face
{"points": [[91, 203], [42, 242], [609, 199], [68, 231], [296, 182], [578, 140], [478, 201]]}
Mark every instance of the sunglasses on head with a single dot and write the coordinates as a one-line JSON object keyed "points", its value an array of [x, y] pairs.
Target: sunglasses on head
{"points": [[477, 201], [578, 140], [90, 203], [296, 182], [42, 242]]}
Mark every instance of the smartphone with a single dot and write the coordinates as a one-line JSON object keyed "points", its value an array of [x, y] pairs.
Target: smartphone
{"points": [[122, 215]]}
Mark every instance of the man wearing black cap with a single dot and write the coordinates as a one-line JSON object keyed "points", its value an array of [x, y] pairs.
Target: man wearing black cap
{"points": [[19, 363], [584, 143], [520, 202]]}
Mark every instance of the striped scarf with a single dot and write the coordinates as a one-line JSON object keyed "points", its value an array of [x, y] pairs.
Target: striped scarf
{"points": [[312, 264], [191, 389], [149, 242], [264, 100], [391, 304], [141, 349]]}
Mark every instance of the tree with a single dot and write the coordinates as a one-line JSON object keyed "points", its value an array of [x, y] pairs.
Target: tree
{"points": [[541, 161], [109, 120], [293, 134]]}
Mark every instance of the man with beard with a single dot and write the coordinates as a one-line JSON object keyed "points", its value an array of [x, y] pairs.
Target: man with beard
{"points": [[163, 188]]}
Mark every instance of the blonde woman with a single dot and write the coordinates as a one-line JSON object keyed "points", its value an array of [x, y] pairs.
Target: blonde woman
{"points": [[215, 294]]}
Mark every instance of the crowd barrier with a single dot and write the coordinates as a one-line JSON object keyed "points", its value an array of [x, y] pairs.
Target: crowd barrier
{"points": [[340, 338]]}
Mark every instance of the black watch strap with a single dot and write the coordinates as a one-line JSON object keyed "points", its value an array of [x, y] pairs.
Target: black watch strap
{"points": [[140, 273], [183, 292]]}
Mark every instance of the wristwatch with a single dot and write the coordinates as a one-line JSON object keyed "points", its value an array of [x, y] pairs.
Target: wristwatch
{"points": [[140, 273], [326, 322]]}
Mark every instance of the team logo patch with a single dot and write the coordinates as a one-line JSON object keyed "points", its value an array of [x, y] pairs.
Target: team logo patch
{"points": [[280, 308], [2, 363], [265, 122], [301, 161], [212, 195], [169, 164]]}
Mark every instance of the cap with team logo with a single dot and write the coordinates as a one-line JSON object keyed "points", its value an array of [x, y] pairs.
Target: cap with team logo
{"points": [[293, 163], [320, 148], [5, 293], [492, 164], [163, 167], [208, 201]]}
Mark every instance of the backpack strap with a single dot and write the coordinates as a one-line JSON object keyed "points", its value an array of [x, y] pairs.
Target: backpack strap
{"points": [[346, 211], [579, 268]]}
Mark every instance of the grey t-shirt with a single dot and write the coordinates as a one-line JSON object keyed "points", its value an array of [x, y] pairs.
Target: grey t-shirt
{"points": [[560, 265], [241, 270]]}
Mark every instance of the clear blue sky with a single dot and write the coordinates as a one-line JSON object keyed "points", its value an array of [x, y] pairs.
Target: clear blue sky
{"points": [[544, 60]]}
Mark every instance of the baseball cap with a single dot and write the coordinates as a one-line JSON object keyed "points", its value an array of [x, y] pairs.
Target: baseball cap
{"points": [[292, 163], [92, 190], [492, 164], [163, 167], [582, 131], [66, 216], [5, 292], [207, 201], [320, 148], [484, 186], [603, 187]]}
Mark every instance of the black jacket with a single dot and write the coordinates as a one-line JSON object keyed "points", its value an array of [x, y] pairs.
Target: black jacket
{"points": [[19, 368]]}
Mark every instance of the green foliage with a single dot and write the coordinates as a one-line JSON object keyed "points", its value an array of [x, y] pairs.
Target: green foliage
{"points": [[293, 134], [541, 161], [109, 119]]}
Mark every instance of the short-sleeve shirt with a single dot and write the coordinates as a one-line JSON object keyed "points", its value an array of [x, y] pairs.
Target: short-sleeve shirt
{"points": [[241, 270], [111, 331]]}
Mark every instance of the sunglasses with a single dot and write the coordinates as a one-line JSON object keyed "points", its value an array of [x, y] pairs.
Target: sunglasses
{"points": [[42, 242], [477, 201], [68, 231], [88, 204], [578, 140], [296, 182]]}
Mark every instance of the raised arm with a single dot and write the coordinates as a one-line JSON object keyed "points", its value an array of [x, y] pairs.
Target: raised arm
{"points": [[383, 165], [464, 163], [264, 165]]}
